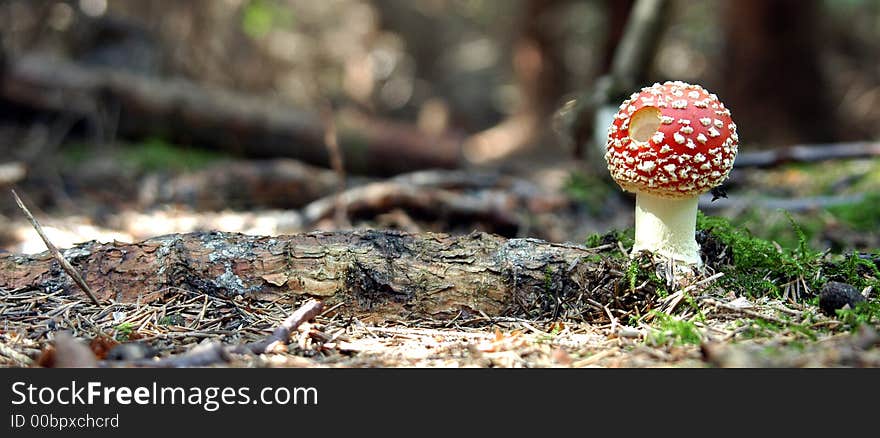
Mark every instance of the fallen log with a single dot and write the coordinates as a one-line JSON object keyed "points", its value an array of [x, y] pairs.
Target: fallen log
{"points": [[242, 184], [185, 112], [374, 274]]}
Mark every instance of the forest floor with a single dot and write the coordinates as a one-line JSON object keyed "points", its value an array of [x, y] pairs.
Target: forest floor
{"points": [[732, 333], [757, 306]]}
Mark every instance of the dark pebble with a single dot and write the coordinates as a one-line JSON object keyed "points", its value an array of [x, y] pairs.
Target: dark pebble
{"points": [[836, 295]]}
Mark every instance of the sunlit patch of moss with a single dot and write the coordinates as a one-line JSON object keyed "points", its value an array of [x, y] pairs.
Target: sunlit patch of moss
{"points": [[761, 262], [750, 252], [124, 331], [669, 329]]}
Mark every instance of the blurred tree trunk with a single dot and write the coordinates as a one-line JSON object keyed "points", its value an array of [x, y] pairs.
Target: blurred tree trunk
{"points": [[617, 14], [538, 66], [537, 59], [772, 77]]}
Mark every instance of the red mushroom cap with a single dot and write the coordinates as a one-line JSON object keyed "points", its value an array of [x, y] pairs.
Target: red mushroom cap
{"points": [[673, 140]]}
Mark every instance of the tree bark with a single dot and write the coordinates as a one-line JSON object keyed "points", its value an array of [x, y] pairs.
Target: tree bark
{"points": [[374, 274], [185, 112]]}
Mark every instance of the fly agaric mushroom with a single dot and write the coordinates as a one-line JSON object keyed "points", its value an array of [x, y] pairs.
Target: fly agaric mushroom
{"points": [[668, 144]]}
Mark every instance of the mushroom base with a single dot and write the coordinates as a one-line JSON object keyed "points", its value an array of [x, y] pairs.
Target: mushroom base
{"points": [[667, 227]]}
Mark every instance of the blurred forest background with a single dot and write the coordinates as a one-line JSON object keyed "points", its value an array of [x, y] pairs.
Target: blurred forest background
{"points": [[128, 119]]}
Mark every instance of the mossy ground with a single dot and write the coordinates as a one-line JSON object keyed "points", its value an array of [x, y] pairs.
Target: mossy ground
{"points": [[770, 287]]}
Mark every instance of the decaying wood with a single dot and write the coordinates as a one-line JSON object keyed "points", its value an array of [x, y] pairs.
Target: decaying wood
{"points": [[375, 274], [188, 113], [499, 208], [243, 184], [503, 202], [65, 265]]}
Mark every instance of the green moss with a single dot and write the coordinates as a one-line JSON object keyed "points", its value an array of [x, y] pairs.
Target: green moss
{"points": [[668, 329], [755, 253], [153, 154], [174, 319], [124, 331], [865, 313], [260, 17], [761, 264], [854, 270], [548, 279], [640, 270], [157, 154]]}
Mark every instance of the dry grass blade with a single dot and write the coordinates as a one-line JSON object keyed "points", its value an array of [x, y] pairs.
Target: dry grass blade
{"points": [[68, 268]]}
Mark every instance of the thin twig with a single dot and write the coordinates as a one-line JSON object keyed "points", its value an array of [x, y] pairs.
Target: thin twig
{"points": [[68, 268], [281, 335]]}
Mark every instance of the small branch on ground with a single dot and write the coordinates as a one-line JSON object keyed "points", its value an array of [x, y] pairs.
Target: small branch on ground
{"points": [[281, 335], [68, 268], [497, 198]]}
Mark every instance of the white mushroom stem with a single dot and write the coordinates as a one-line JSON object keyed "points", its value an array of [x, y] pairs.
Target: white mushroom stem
{"points": [[667, 227]]}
